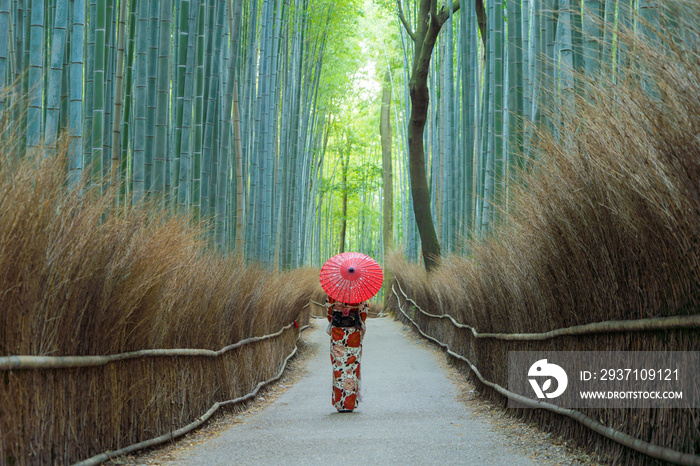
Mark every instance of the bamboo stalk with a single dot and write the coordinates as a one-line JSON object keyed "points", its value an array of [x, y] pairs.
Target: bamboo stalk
{"points": [[118, 94], [53, 99], [112, 19], [36, 74], [75, 124], [139, 103], [184, 150], [162, 130], [212, 96], [180, 60], [198, 116], [224, 185], [153, 28], [240, 201], [98, 109], [5, 46]]}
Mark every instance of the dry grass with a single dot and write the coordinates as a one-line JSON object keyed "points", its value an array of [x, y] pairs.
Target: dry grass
{"points": [[605, 227], [76, 278]]}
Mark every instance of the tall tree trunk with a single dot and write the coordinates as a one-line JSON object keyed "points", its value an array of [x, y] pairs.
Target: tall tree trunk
{"points": [[428, 24]]}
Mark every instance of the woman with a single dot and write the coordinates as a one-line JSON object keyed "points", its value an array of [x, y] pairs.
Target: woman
{"points": [[347, 329]]}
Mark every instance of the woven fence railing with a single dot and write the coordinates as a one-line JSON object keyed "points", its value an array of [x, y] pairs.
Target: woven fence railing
{"points": [[101, 458], [71, 362], [639, 325], [651, 450], [41, 363]]}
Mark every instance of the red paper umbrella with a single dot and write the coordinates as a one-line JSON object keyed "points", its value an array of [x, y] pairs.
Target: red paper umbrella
{"points": [[351, 277]]}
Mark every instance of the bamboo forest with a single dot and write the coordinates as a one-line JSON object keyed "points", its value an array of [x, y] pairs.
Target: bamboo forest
{"points": [[261, 118], [175, 173]]}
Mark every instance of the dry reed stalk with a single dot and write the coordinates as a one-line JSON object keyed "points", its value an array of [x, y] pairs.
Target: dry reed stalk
{"points": [[76, 282], [651, 450]]}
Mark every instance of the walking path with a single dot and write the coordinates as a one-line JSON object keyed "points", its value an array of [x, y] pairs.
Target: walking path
{"points": [[409, 414]]}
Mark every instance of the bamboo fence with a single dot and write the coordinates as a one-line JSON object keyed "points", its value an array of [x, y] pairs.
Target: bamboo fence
{"points": [[89, 409], [621, 438], [98, 459], [68, 362]]}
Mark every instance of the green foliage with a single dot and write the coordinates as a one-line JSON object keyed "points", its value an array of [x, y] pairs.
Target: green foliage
{"points": [[338, 27], [351, 93]]}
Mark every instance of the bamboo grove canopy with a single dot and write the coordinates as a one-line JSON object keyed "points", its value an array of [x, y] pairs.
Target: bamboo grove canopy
{"points": [[218, 107], [208, 105], [498, 73]]}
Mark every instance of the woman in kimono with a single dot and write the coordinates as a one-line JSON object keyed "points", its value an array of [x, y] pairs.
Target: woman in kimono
{"points": [[347, 329]]}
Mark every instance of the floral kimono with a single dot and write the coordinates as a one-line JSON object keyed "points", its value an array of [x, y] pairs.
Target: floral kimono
{"points": [[346, 351]]}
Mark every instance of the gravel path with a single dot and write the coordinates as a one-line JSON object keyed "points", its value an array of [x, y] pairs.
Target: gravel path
{"points": [[409, 414]]}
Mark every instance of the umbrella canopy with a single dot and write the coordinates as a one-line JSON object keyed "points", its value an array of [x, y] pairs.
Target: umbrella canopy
{"points": [[351, 277]]}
